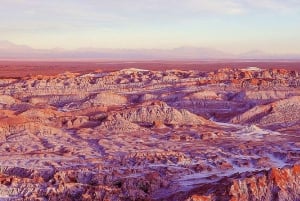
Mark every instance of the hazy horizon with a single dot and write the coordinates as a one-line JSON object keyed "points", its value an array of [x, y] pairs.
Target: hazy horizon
{"points": [[230, 26], [9, 50]]}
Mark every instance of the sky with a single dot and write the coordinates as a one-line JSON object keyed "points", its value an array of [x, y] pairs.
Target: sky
{"points": [[233, 26]]}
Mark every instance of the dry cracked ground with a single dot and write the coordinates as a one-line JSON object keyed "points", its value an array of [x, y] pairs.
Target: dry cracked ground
{"points": [[133, 134]]}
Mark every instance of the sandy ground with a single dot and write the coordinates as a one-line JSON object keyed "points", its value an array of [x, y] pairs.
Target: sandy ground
{"points": [[25, 68]]}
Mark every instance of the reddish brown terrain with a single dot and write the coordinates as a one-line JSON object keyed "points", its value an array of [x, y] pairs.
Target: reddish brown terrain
{"points": [[191, 134], [25, 68]]}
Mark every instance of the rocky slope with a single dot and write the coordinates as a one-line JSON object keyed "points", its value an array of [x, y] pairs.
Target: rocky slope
{"points": [[274, 184], [134, 134], [281, 113]]}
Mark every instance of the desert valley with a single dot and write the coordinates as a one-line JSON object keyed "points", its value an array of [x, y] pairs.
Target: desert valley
{"points": [[140, 133], [150, 100]]}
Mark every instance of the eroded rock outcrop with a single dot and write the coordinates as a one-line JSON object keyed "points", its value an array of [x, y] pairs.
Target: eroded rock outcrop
{"points": [[137, 134], [275, 114], [274, 184]]}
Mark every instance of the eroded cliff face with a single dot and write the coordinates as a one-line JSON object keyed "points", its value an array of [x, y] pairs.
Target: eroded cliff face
{"points": [[151, 135], [274, 184]]}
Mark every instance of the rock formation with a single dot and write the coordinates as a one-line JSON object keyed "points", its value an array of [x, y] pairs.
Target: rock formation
{"points": [[231, 134]]}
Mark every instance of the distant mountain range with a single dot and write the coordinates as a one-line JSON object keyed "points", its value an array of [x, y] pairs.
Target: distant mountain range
{"points": [[10, 50]]}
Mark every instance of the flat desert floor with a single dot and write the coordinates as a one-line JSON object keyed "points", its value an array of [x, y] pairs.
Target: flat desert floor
{"points": [[25, 68]]}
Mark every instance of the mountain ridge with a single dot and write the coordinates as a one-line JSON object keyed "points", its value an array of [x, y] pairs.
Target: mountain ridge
{"points": [[9, 50]]}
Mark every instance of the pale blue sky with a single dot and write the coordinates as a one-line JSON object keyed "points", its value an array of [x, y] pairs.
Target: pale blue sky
{"points": [[233, 26]]}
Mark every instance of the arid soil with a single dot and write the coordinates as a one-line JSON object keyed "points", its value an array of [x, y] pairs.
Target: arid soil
{"points": [[136, 134], [24, 68]]}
